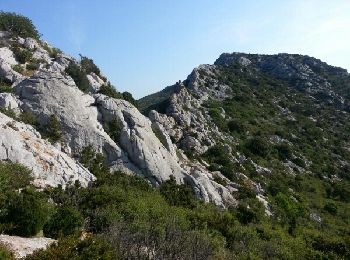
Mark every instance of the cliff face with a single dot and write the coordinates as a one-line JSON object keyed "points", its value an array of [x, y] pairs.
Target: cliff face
{"points": [[43, 86]]}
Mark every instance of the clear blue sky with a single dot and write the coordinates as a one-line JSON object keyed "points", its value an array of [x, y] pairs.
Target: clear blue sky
{"points": [[144, 45]]}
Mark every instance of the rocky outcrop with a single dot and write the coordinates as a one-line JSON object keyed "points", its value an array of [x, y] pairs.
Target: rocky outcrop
{"points": [[50, 167], [22, 246], [143, 147], [10, 101]]}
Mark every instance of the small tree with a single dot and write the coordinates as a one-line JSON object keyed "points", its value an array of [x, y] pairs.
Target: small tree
{"points": [[53, 129], [18, 25], [79, 76], [64, 222]]}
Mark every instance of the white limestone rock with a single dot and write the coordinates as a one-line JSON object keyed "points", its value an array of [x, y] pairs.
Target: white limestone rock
{"points": [[10, 101], [21, 143]]}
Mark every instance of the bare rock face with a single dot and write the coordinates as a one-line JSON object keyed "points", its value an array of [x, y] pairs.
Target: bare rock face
{"points": [[51, 92], [50, 167], [143, 147], [10, 101], [22, 246]]}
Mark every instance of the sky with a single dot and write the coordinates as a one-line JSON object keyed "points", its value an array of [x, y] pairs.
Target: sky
{"points": [[143, 46]]}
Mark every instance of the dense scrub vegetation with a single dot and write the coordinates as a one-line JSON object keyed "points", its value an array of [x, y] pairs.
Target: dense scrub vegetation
{"points": [[123, 217], [18, 25], [110, 91]]}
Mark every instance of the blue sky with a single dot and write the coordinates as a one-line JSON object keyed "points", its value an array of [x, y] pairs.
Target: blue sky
{"points": [[144, 45]]}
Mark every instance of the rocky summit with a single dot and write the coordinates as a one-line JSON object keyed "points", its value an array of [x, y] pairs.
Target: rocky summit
{"points": [[248, 157]]}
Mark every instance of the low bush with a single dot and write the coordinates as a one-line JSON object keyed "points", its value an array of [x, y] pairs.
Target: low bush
{"points": [[65, 221], [18, 68], [79, 76], [52, 130], [88, 65], [22, 55]]}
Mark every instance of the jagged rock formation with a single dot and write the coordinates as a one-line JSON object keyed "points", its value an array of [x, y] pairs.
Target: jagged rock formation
{"points": [[143, 147], [21, 143]]}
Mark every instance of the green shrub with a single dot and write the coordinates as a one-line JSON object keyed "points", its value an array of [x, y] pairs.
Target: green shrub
{"points": [[22, 55], [32, 66], [5, 253], [109, 91], [52, 130], [9, 112], [235, 126], [5, 87], [28, 117], [79, 76], [75, 248], [88, 65], [258, 146], [128, 97], [93, 161], [177, 195], [18, 68], [65, 221], [26, 212], [18, 25], [13, 176], [284, 151], [53, 52], [331, 208], [113, 128]]}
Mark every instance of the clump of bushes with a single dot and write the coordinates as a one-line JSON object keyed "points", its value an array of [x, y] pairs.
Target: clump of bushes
{"points": [[5, 87], [18, 68], [18, 25], [22, 55], [88, 65], [257, 146], [65, 221], [113, 128], [53, 52], [52, 130], [110, 91], [23, 209], [79, 76]]}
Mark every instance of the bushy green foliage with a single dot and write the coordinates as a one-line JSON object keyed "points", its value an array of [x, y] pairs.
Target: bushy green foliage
{"points": [[23, 210], [5, 87], [5, 253], [79, 76], [110, 91], [88, 65], [28, 117], [113, 128], [93, 161], [74, 248], [18, 68], [32, 66], [65, 221], [53, 52], [18, 25], [52, 130], [22, 55], [257, 146], [128, 97], [177, 195]]}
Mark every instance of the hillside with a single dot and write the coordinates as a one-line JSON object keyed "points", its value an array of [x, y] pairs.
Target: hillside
{"points": [[248, 158]]}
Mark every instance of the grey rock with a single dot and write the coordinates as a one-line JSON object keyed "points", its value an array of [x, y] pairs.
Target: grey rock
{"points": [[144, 149], [10, 101], [50, 167]]}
